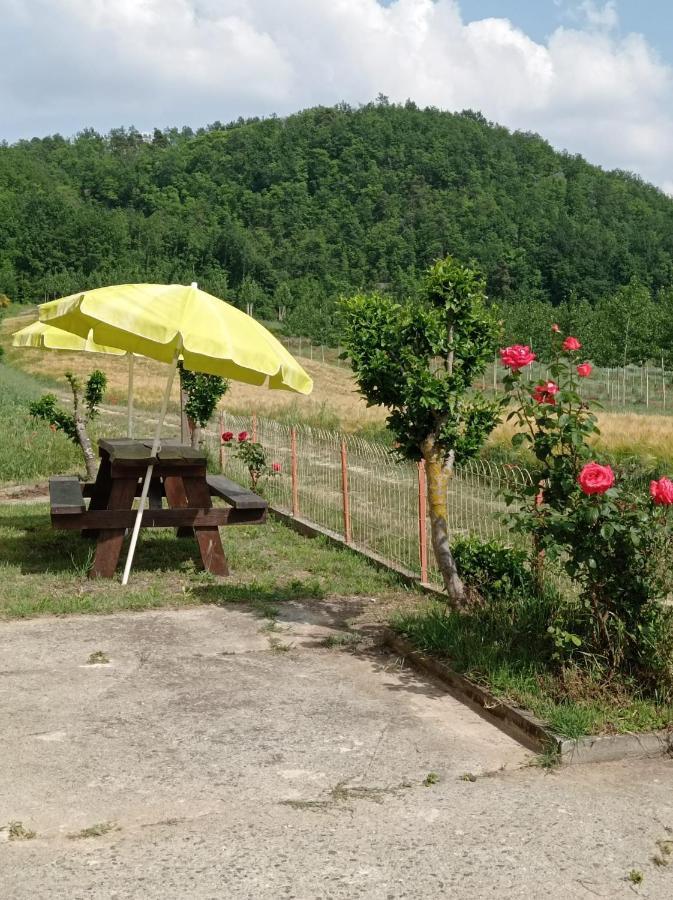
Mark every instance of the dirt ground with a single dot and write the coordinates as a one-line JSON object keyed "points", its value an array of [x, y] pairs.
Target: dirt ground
{"points": [[204, 753]]}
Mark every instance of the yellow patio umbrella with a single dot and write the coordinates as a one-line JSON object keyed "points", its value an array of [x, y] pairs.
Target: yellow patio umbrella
{"points": [[38, 335], [165, 322]]}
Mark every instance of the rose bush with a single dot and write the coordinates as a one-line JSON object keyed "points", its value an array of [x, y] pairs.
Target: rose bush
{"points": [[253, 455], [613, 540]]}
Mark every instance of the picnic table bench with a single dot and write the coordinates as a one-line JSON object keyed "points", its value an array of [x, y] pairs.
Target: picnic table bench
{"points": [[179, 476]]}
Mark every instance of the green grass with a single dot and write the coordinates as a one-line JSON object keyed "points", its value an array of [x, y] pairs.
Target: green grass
{"points": [[42, 570], [29, 450], [508, 652]]}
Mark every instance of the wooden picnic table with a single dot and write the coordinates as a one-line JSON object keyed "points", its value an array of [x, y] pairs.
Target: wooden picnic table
{"points": [[179, 477]]}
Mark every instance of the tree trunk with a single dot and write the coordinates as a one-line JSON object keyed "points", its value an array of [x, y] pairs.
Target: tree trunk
{"points": [[194, 434], [439, 471], [185, 430], [87, 450], [83, 438]]}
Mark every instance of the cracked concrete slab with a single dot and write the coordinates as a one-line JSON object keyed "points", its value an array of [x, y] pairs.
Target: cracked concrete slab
{"points": [[234, 761]]}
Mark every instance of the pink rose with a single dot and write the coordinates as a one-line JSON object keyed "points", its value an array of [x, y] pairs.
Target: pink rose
{"points": [[517, 357], [544, 393], [555, 328], [276, 467], [570, 344], [584, 370], [227, 436], [596, 479], [662, 491], [242, 436]]}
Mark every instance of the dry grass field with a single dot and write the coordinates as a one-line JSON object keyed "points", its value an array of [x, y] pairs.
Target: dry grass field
{"points": [[334, 402]]}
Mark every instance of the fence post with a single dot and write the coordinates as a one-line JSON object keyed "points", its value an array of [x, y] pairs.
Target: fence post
{"points": [[221, 442], [254, 427], [293, 469], [422, 522], [344, 492], [663, 382]]}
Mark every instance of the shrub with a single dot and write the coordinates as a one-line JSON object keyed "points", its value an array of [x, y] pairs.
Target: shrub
{"points": [[493, 570], [253, 455], [74, 424], [612, 539]]}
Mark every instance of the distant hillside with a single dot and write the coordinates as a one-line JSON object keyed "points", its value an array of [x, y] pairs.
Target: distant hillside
{"points": [[292, 212]]}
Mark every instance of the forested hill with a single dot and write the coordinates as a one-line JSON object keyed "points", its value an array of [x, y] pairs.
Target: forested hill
{"points": [[292, 212]]}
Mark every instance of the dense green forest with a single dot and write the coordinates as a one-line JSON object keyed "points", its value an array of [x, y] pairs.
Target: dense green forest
{"points": [[288, 214]]}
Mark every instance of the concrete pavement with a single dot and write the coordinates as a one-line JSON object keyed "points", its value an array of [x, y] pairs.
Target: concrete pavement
{"points": [[228, 760]]}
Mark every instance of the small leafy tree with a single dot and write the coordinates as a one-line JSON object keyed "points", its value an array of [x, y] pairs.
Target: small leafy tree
{"points": [[74, 424], [419, 360], [202, 394]]}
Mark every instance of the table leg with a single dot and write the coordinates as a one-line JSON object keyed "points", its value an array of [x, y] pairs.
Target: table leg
{"points": [[110, 541], [207, 536], [101, 492], [176, 496]]}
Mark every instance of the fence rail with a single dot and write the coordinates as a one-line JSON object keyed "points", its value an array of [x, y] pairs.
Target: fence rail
{"points": [[360, 491]]}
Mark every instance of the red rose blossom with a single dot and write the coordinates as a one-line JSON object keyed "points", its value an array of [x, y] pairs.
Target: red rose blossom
{"points": [[595, 478], [570, 344], [227, 436], [276, 467], [555, 328], [544, 393], [662, 491], [517, 357], [242, 436], [584, 370]]}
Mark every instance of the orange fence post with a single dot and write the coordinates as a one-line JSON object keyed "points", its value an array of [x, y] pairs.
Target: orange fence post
{"points": [[295, 484], [422, 522], [344, 492], [254, 427], [221, 442]]}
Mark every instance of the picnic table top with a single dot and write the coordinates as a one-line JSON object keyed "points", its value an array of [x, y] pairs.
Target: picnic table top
{"points": [[128, 450]]}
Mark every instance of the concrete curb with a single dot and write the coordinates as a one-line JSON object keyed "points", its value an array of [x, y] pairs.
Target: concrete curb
{"points": [[527, 728], [519, 723]]}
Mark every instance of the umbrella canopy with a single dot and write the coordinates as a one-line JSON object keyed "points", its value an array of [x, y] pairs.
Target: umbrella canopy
{"points": [[155, 320], [46, 337], [166, 322], [41, 336]]}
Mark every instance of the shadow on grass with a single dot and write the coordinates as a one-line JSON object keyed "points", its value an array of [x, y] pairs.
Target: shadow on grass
{"points": [[32, 546], [262, 597]]}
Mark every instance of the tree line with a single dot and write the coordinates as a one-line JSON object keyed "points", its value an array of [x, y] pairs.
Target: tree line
{"points": [[284, 216]]}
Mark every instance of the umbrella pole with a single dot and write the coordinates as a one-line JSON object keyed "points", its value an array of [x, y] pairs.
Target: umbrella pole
{"points": [[156, 443], [129, 404]]}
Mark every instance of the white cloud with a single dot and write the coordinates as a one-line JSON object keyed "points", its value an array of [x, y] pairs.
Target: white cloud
{"points": [[605, 16], [66, 64]]}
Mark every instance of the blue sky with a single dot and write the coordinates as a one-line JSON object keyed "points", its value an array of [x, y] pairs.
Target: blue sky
{"points": [[592, 76], [539, 18]]}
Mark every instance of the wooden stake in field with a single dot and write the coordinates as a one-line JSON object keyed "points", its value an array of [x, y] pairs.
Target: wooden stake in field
{"points": [[221, 421], [663, 382]]}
